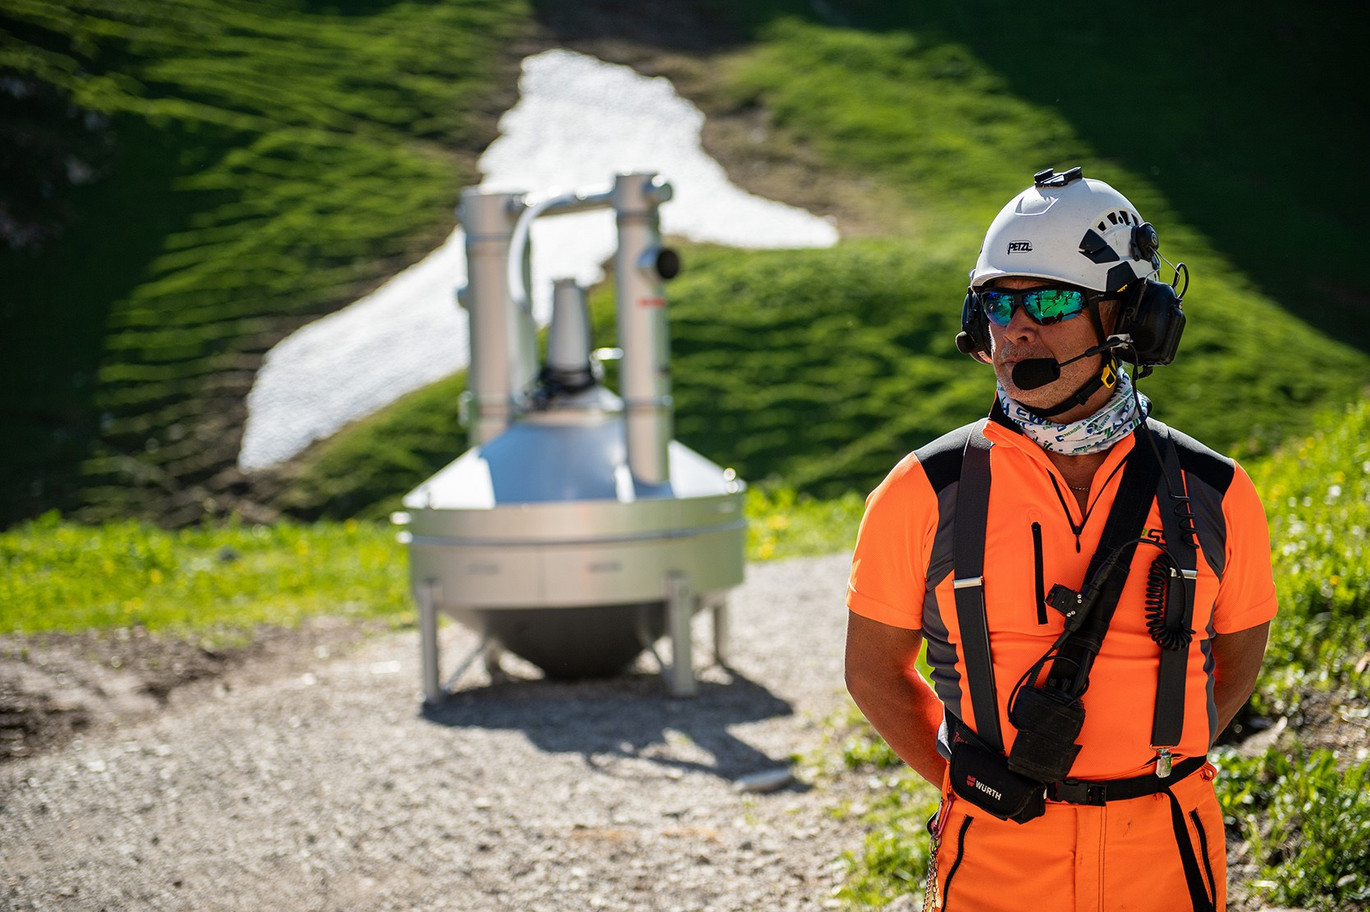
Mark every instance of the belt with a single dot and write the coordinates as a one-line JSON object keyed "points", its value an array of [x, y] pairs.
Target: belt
{"points": [[1099, 792]]}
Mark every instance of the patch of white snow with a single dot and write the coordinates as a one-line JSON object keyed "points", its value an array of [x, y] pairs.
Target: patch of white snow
{"points": [[578, 122]]}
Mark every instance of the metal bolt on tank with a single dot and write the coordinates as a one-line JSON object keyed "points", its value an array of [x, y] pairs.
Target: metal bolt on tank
{"points": [[576, 532]]}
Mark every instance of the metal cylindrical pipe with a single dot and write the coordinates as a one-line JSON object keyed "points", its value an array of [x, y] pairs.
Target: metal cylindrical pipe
{"points": [[568, 334], [493, 376], [429, 651], [645, 378]]}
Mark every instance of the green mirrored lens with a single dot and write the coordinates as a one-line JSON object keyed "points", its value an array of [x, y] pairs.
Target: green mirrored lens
{"points": [[998, 307], [1052, 305], [1044, 305]]}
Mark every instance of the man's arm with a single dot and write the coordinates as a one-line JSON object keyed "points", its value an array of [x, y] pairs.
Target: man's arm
{"points": [[1236, 664], [883, 680]]}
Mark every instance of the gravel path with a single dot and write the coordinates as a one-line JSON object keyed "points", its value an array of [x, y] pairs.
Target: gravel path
{"points": [[318, 783]]}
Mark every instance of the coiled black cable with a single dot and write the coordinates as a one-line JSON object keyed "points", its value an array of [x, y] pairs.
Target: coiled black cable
{"points": [[1157, 594]]}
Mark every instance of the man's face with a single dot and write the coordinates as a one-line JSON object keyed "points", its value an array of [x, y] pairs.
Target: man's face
{"points": [[1024, 338]]}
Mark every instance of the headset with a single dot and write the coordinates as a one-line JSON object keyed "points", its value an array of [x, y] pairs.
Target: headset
{"points": [[1151, 317]]}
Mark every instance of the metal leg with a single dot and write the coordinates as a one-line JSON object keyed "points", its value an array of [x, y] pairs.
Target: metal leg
{"points": [[679, 611], [430, 659]]}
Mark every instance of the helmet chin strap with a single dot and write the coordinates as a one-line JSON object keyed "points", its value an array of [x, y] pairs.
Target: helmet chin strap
{"points": [[1107, 376]]}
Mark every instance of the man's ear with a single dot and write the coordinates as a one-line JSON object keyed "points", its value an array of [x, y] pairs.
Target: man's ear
{"points": [[1108, 314]]}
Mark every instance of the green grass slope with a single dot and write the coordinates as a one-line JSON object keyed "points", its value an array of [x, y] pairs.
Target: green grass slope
{"points": [[262, 161], [220, 581], [823, 367], [1303, 805], [256, 163], [1244, 119]]}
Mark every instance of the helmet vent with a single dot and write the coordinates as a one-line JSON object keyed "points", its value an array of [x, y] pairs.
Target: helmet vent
{"points": [[1119, 217]]}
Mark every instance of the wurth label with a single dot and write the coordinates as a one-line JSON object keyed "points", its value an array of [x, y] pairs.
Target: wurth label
{"points": [[977, 784]]}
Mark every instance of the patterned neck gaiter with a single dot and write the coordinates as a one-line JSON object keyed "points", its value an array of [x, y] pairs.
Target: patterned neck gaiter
{"points": [[1093, 434]]}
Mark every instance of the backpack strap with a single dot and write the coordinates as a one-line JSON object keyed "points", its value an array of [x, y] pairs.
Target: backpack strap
{"points": [[1108, 571], [1142, 476], [1181, 542], [972, 517]]}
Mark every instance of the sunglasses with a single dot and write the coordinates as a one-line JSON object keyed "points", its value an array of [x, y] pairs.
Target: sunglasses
{"points": [[1044, 305]]}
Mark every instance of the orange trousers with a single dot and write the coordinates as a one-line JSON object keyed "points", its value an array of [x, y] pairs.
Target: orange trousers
{"points": [[1119, 857]]}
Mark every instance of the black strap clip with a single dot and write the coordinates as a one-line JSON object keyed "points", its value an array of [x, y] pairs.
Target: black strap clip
{"points": [[1078, 791]]}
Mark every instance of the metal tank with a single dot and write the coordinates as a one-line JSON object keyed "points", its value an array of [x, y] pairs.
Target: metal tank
{"points": [[575, 532]]}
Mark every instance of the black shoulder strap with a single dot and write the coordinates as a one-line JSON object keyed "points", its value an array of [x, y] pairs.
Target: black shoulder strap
{"points": [[968, 556], [1108, 570], [1076, 656], [1142, 476], [1070, 671], [1181, 541]]}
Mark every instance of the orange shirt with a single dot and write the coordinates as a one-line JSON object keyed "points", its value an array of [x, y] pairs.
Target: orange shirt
{"points": [[902, 576]]}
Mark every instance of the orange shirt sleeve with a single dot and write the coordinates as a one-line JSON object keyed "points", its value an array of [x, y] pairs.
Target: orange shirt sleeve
{"points": [[889, 565], [1246, 595]]}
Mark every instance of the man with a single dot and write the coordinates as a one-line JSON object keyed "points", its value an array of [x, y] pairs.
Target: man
{"points": [[1113, 608]]}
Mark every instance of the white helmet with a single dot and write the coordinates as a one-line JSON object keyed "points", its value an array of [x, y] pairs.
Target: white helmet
{"points": [[1071, 229]]}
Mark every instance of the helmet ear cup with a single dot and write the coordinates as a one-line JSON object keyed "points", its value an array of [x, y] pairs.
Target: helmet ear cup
{"points": [[1146, 244], [974, 335], [1153, 317]]}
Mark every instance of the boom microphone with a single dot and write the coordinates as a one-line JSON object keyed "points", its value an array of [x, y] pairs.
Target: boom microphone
{"points": [[1034, 372]]}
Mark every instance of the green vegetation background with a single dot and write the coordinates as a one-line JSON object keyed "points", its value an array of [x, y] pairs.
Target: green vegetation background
{"points": [[186, 181], [256, 163]]}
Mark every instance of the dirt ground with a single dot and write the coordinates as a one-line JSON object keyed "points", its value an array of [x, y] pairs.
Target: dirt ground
{"points": [[304, 772], [83, 693], [54, 687]]}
